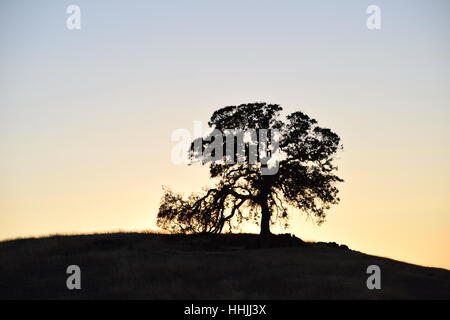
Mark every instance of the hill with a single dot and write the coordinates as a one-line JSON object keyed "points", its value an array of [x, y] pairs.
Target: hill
{"points": [[228, 266]]}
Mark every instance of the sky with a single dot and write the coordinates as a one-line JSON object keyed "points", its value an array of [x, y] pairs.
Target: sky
{"points": [[86, 116]]}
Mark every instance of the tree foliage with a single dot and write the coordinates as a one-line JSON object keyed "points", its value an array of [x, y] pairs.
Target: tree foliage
{"points": [[306, 178]]}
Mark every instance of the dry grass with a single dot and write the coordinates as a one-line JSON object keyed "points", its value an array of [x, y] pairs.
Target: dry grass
{"points": [[161, 266]]}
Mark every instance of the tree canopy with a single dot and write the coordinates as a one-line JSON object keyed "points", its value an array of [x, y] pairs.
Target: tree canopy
{"points": [[302, 176]]}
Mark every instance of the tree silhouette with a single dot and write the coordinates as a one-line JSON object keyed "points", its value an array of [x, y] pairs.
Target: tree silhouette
{"points": [[304, 177]]}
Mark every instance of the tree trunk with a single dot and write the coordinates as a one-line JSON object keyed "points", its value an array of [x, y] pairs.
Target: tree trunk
{"points": [[265, 219]]}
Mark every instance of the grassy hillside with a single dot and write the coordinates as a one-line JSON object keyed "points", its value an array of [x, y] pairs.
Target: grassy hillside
{"points": [[156, 266]]}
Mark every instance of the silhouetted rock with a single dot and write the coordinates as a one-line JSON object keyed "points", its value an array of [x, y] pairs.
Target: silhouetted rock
{"points": [[333, 245]]}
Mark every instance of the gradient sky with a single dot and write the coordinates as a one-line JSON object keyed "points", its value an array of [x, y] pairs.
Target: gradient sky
{"points": [[86, 115]]}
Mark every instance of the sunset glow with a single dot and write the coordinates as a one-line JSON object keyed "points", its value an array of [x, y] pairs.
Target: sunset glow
{"points": [[86, 116]]}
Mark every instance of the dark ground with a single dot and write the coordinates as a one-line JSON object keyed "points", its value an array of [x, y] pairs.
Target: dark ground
{"points": [[242, 266]]}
